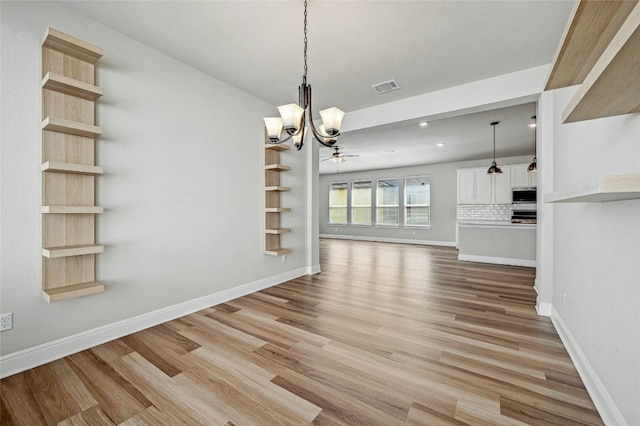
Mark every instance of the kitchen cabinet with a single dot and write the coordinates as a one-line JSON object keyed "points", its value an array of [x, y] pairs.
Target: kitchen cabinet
{"points": [[483, 187], [502, 186], [476, 186], [520, 176], [466, 186]]}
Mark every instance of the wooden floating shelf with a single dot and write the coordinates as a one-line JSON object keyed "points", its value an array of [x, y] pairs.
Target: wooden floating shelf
{"points": [[72, 209], [81, 169], [277, 188], [277, 252], [612, 87], [64, 43], [70, 86], [277, 147], [277, 209], [602, 189], [66, 251], [277, 167], [277, 231], [57, 294], [592, 26], [71, 127]]}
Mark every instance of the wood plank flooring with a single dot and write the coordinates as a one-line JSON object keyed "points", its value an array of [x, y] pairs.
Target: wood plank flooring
{"points": [[387, 334]]}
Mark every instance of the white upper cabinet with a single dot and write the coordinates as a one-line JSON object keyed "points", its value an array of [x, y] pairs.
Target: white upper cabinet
{"points": [[465, 187], [476, 186], [483, 187], [502, 186], [520, 176]]}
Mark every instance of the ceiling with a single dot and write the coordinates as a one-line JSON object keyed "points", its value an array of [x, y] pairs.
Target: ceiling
{"points": [[257, 47]]}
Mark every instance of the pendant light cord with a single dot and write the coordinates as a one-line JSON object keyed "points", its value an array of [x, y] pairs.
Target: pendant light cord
{"points": [[305, 41], [494, 142]]}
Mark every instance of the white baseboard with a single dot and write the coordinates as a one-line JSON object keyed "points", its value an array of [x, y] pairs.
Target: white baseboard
{"points": [[17, 362], [390, 240], [605, 405], [312, 270], [497, 260], [544, 309]]}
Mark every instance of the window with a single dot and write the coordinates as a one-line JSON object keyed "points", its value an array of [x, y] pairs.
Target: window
{"points": [[417, 200], [361, 203], [338, 203], [387, 199]]}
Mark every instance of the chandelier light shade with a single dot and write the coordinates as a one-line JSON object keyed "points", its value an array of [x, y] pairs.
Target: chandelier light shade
{"points": [[494, 166], [294, 116], [533, 167], [274, 127]]}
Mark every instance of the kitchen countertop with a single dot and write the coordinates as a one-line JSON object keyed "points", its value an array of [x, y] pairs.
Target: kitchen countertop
{"points": [[495, 224]]}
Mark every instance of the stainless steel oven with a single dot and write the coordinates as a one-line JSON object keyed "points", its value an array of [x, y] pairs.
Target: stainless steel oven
{"points": [[524, 208], [524, 195]]}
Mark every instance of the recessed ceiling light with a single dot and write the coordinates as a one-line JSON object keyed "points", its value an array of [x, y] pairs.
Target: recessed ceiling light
{"points": [[423, 124], [440, 144]]}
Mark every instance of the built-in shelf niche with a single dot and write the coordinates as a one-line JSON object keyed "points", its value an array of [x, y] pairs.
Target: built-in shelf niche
{"points": [[272, 189], [68, 167], [599, 190]]}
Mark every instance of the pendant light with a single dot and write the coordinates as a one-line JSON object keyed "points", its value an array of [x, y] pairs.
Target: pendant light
{"points": [[494, 166], [533, 167]]}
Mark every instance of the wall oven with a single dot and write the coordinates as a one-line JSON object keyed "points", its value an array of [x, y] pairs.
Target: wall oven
{"points": [[524, 208]]}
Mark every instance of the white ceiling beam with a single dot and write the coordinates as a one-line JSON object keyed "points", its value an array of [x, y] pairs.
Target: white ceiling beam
{"points": [[506, 90]]}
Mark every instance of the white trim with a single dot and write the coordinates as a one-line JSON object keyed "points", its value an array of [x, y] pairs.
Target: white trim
{"points": [[544, 309], [390, 240], [17, 362], [497, 260], [312, 270], [605, 405]]}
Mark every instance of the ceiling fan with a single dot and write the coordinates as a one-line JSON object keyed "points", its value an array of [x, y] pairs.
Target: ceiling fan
{"points": [[338, 157]]}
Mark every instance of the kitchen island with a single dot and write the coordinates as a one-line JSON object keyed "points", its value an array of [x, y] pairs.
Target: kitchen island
{"points": [[499, 242]]}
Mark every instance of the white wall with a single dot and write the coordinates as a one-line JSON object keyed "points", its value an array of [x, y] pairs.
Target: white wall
{"points": [[596, 263], [444, 190], [182, 188]]}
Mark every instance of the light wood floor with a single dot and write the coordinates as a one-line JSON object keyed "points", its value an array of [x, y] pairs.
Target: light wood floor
{"points": [[387, 334]]}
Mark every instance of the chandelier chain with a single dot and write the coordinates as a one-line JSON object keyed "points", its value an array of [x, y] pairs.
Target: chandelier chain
{"points": [[305, 40]]}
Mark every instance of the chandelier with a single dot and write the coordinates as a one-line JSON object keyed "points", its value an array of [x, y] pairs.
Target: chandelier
{"points": [[294, 116]]}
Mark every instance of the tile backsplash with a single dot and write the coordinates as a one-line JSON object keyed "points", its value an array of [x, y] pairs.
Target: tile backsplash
{"points": [[498, 212]]}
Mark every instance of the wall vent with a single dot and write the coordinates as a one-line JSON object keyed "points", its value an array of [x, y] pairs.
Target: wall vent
{"points": [[386, 86]]}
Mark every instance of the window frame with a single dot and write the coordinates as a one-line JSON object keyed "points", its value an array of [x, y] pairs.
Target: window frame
{"points": [[346, 205], [352, 205], [406, 205], [378, 205]]}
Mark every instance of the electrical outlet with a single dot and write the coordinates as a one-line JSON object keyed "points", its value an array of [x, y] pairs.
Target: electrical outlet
{"points": [[284, 258], [564, 297], [6, 321]]}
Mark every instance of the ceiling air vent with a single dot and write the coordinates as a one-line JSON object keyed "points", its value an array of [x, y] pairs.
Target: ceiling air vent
{"points": [[386, 86]]}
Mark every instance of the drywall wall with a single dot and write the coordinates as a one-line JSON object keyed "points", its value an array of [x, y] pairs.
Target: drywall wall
{"points": [[182, 188], [596, 246], [444, 189]]}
